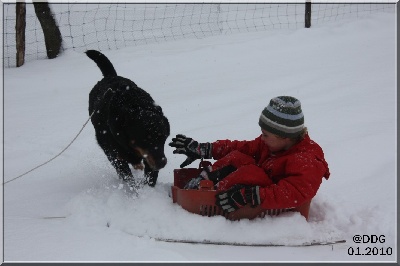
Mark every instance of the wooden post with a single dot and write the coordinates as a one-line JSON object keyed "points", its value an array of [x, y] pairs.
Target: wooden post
{"points": [[20, 26], [307, 18]]}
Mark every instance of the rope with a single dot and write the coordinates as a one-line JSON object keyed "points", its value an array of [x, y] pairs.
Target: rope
{"points": [[33, 169]]}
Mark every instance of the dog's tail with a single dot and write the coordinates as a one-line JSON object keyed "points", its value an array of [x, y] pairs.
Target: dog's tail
{"points": [[102, 62]]}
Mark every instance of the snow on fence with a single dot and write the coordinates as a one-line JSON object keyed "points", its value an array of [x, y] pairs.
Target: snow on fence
{"points": [[114, 26]]}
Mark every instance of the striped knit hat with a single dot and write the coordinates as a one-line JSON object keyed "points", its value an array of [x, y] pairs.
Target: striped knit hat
{"points": [[283, 117]]}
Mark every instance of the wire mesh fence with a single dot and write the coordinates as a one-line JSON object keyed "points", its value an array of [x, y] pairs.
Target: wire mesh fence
{"points": [[114, 26]]}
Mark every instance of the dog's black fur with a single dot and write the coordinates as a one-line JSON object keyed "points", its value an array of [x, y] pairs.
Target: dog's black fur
{"points": [[129, 126]]}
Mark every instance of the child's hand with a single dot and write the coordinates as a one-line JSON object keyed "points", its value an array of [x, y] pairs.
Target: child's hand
{"points": [[191, 148], [237, 197]]}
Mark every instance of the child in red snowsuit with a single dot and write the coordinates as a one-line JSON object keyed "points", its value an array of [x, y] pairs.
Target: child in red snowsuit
{"points": [[282, 168]]}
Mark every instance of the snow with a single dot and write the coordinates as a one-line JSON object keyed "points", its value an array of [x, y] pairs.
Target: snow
{"points": [[75, 208]]}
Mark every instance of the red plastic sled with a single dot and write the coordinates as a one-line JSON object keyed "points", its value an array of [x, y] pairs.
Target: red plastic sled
{"points": [[202, 201]]}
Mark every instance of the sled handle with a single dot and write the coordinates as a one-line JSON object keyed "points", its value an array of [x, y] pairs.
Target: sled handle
{"points": [[204, 164]]}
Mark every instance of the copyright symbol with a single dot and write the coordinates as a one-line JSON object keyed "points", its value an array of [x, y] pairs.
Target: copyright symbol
{"points": [[357, 239]]}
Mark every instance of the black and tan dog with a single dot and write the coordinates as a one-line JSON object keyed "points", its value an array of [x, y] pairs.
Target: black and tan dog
{"points": [[129, 126]]}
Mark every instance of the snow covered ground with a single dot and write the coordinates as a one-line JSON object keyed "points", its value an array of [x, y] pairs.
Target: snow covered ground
{"points": [[215, 88]]}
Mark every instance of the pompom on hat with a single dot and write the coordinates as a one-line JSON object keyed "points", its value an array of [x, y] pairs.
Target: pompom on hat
{"points": [[283, 117]]}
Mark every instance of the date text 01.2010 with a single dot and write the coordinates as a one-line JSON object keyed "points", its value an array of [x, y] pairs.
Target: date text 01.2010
{"points": [[370, 251]]}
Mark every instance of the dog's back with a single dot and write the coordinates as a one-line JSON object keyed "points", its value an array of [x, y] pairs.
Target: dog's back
{"points": [[127, 91], [100, 90]]}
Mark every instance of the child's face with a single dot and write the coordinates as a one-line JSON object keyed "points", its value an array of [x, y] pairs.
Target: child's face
{"points": [[275, 143]]}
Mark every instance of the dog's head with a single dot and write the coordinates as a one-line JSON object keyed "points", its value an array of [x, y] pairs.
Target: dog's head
{"points": [[149, 139], [144, 132]]}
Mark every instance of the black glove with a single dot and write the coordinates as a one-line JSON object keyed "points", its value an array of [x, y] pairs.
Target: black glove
{"points": [[221, 173], [237, 197], [191, 148]]}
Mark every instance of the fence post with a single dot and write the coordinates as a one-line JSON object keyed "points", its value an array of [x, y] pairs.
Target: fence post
{"points": [[20, 25], [307, 18]]}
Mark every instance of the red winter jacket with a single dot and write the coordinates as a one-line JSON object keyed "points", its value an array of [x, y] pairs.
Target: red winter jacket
{"points": [[289, 178]]}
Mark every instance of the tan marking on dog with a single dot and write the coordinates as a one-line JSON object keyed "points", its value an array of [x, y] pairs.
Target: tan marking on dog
{"points": [[138, 166], [145, 155]]}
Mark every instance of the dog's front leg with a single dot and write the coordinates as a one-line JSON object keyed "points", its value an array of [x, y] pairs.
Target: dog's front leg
{"points": [[123, 170], [120, 165], [151, 175]]}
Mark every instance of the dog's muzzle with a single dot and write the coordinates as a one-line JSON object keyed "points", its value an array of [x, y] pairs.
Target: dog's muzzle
{"points": [[155, 164], [155, 158]]}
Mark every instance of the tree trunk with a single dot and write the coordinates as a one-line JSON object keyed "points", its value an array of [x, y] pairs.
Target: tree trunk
{"points": [[20, 26], [52, 34]]}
